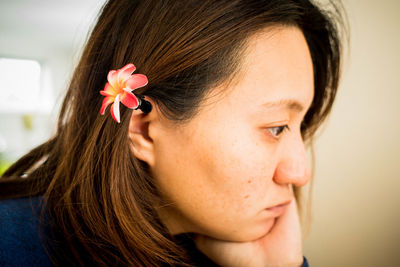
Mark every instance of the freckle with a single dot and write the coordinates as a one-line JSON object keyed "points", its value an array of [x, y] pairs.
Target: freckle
{"points": [[246, 196], [249, 181]]}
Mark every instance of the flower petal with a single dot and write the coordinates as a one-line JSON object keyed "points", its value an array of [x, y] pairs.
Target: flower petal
{"points": [[115, 109], [136, 81], [129, 99], [107, 101], [125, 72], [109, 90], [112, 78]]}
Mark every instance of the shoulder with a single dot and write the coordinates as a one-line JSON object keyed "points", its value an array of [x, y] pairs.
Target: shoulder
{"points": [[20, 243]]}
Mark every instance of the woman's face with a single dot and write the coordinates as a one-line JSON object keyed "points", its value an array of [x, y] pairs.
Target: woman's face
{"points": [[235, 158]]}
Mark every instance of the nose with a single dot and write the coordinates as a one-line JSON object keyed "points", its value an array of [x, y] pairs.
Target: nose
{"points": [[292, 167]]}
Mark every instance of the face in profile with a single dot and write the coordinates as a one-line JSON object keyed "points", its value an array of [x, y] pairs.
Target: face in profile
{"points": [[244, 151]]}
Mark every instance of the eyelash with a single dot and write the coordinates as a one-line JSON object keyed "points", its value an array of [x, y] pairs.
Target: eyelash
{"points": [[281, 128]]}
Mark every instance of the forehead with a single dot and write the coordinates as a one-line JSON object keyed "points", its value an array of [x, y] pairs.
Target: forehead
{"points": [[276, 70]]}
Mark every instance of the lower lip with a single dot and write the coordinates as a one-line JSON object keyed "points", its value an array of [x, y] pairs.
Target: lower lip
{"points": [[277, 210]]}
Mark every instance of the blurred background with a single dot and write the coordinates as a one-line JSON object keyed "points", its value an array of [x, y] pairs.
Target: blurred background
{"points": [[40, 42], [356, 198]]}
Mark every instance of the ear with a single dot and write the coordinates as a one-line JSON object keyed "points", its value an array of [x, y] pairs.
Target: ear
{"points": [[142, 130]]}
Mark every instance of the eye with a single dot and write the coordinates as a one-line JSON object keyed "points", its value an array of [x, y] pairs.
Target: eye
{"points": [[277, 131]]}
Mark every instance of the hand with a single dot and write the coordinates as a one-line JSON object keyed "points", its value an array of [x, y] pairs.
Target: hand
{"points": [[282, 246]]}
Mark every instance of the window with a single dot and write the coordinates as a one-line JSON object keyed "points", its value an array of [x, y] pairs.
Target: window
{"points": [[20, 87]]}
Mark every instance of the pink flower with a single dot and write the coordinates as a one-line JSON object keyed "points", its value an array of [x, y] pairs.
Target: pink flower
{"points": [[119, 88]]}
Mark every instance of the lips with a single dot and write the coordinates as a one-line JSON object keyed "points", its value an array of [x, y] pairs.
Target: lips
{"points": [[283, 203], [279, 209]]}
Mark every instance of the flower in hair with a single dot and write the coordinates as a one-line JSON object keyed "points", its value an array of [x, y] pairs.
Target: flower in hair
{"points": [[119, 88]]}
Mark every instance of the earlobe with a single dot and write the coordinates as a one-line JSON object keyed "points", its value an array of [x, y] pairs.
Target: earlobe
{"points": [[141, 132]]}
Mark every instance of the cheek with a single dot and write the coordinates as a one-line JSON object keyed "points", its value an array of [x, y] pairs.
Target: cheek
{"points": [[235, 186], [218, 179], [242, 172]]}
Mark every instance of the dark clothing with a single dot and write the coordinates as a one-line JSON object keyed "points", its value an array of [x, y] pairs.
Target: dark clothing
{"points": [[20, 243]]}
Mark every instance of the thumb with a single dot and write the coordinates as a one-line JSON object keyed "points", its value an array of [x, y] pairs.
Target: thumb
{"points": [[285, 237]]}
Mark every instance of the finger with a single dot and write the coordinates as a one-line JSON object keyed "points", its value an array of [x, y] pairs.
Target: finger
{"points": [[288, 220], [287, 231]]}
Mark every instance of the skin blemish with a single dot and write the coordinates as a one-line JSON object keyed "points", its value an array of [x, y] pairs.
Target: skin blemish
{"points": [[246, 196], [249, 181]]}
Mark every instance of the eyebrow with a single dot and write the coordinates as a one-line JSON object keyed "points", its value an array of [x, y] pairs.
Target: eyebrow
{"points": [[290, 104]]}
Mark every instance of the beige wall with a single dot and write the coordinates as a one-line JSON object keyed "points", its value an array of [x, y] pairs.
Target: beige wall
{"points": [[356, 196]]}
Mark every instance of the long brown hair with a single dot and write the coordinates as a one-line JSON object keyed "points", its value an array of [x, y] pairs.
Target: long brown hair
{"points": [[100, 198]]}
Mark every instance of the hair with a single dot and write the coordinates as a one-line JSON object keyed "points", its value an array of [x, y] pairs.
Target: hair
{"points": [[100, 198]]}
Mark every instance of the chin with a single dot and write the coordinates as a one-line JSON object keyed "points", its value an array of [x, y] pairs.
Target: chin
{"points": [[246, 234]]}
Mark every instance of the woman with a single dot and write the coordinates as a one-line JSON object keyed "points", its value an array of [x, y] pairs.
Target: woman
{"points": [[197, 154]]}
